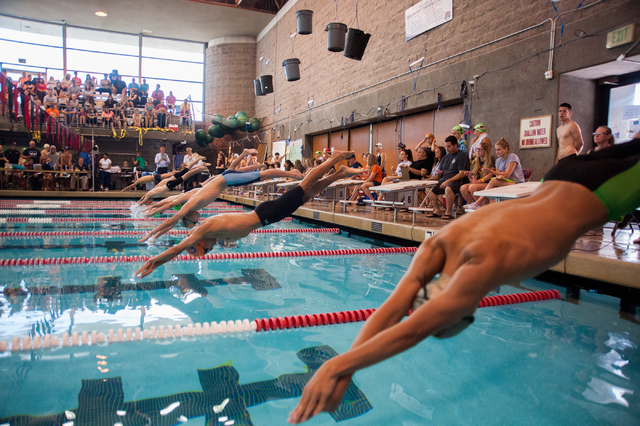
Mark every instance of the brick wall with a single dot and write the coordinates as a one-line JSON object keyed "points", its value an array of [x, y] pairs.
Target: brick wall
{"points": [[511, 86]]}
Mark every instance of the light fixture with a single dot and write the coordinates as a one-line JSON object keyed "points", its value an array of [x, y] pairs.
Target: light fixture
{"points": [[101, 14]]}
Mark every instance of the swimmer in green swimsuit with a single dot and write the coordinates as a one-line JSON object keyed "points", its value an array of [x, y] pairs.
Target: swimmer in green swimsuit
{"points": [[526, 237]]}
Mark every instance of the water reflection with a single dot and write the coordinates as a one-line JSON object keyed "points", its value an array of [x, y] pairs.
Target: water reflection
{"points": [[605, 393]]}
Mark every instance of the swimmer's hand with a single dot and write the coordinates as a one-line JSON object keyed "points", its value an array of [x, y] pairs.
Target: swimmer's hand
{"points": [[322, 393], [147, 268]]}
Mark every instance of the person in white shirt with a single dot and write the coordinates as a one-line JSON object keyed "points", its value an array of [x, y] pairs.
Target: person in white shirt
{"points": [[162, 161], [105, 175], [406, 158]]}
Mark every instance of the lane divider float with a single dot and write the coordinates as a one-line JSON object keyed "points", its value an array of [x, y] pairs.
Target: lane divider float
{"points": [[238, 326], [210, 256], [107, 233]]}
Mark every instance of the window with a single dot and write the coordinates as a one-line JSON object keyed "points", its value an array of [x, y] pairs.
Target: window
{"points": [[624, 112]]}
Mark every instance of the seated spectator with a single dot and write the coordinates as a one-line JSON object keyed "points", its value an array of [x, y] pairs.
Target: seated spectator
{"points": [[138, 162], [185, 114], [351, 162], [90, 80], [480, 174], [53, 112], [508, 171], [298, 166], [109, 103], [126, 102], [105, 85], [421, 168], [119, 119], [133, 86], [68, 113], [308, 166], [52, 83], [603, 138], [12, 154], [137, 118], [429, 142], [105, 175], [76, 80], [54, 158], [149, 115], [406, 159], [58, 89], [92, 115], [74, 89], [66, 82], [50, 99], [288, 165], [453, 166], [87, 92], [144, 88], [82, 115], [73, 104], [171, 102], [161, 115], [62, 99], [120, 85], [29, 88], [134, 98], [373, 179], [221, 163], [157, 96], [107, 116], [77, 178]]}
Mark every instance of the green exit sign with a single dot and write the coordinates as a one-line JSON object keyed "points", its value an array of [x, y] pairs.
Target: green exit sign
{"points": [[620, 36]]}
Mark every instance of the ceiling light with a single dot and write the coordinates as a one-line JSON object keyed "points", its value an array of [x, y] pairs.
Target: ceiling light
{"points": [[101, 14]]}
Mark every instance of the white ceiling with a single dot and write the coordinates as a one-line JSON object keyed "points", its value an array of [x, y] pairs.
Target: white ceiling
{"points": [[179, 19], [608, 69]]}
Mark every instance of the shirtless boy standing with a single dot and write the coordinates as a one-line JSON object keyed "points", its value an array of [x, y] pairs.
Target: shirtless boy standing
{"points": [[568, 133]]}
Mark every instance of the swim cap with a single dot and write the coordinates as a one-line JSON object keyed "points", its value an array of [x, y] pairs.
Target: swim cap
{"points": [[318, 152], [429, 136], [457, 129], [480, 127], [198, 250]]}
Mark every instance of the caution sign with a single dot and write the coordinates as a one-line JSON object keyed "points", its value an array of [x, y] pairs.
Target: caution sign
{"points": [[535, 132]]}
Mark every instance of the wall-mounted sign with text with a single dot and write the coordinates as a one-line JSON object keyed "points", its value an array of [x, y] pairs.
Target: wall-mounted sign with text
{"points": [[535, 132], [426, 15]]}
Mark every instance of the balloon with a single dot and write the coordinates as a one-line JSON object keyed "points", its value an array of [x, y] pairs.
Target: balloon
{"points": [[253, 127], [241, 113], [202, 143], [231, 122], [201, 135], [209, 139], [216, 119], [242, 120], [225, 129]]}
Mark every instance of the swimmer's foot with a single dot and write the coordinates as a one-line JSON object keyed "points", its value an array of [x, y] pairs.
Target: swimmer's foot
{"points": [[350, 171], [343, 155]]}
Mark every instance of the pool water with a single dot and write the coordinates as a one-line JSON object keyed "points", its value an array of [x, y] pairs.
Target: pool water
{"points": [[548, 362]]}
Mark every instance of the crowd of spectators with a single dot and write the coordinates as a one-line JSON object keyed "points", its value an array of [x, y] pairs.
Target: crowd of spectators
{"points": [[108, 103]]}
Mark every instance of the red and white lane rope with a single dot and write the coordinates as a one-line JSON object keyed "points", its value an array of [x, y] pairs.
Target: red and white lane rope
{"points": [[238, 326], [107, 233], [210, 256]]}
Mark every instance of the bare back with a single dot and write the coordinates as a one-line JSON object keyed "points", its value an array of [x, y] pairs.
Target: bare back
{"points": [[229, 227]]}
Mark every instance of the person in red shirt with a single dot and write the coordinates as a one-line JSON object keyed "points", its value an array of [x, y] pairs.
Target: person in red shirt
{"points": [[171, 102], [374, 178], [157, 96]]}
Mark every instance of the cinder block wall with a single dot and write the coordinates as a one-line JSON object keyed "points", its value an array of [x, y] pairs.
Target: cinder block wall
{"points": [[511, 84]]}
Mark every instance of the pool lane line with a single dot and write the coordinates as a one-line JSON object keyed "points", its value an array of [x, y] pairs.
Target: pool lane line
{"points": [[210, 256], [237, 326], [88, 219], [301, 321], [107, 233], [97, 211]]}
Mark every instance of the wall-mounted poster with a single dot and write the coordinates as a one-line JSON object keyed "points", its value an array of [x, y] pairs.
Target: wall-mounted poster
{"points": [[426, 15], [535, 132]]}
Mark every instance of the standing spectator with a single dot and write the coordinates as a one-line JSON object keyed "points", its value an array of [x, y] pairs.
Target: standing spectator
{"points": [[80, 178], [185, 114], [105, 175], [41, 88], [162, 161], [50, 99], [139, 162], [105, 85], [178, 159], [87, 157], [479, 134], [144, 88], [161, 115], [77, 80], [171, 102], [66, 159], [221, 164], [157, 95], [90, 80], [133, 86], [453, 166], [113, 77]]}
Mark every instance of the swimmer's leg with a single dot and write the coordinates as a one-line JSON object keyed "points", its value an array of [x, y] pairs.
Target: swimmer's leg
{"points": [[317, 173], [311, 189]]}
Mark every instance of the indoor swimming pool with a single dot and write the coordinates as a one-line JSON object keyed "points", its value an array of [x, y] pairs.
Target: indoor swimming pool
{"points": [[96, 345]]}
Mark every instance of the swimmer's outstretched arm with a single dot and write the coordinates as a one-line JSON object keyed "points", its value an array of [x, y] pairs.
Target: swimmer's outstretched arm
{"points": [[201, 199], [170, 202], [197, 235]]}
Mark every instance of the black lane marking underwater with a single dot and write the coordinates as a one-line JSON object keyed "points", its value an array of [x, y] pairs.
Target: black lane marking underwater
{"points": [[110, 288], [99, 399]]}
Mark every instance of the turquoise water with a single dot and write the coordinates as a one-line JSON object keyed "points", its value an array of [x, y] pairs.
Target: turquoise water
{"points": [[550, 362]]}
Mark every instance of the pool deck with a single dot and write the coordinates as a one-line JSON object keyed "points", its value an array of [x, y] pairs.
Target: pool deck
{"points": [[596, 257]]}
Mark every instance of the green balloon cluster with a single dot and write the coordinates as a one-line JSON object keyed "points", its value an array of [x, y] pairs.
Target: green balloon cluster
{"points": [[221, 126]]}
